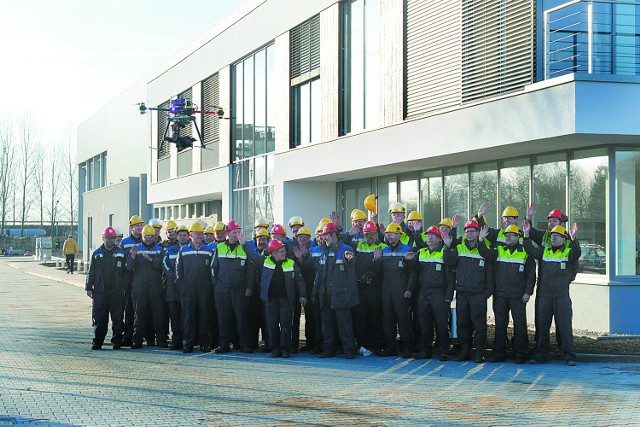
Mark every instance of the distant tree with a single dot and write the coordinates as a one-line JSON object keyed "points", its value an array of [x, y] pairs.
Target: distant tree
{"points": [[53, 184], [28, 134], [39, 157], [7, 167], [69, 171]]}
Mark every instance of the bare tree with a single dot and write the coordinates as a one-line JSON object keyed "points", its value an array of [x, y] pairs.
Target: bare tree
{"points": [[70, 171], [53, 185], [7, 167], [39, 180], [28, 134]]}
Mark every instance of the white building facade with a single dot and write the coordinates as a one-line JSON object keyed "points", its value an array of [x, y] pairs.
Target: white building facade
{"points": [[440, 105]]}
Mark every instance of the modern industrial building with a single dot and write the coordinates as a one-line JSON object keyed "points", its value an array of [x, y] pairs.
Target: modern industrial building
{"points": [[441, 105]]}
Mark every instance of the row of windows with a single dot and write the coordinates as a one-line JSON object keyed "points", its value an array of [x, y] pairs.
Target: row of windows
{"points": [[576, 183], [211, 208], [94, 172]]}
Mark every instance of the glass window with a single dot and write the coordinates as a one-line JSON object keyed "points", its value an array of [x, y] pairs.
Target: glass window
{"points": [[588, 179], [249, 105], [260, 102], [627, 212], [409, 192], [549, 187], [360, 65], [238, 109], [387, 192], [431, 197], [306, 113], [456, 194], [484, 188], [271, 103], [514, 186]]}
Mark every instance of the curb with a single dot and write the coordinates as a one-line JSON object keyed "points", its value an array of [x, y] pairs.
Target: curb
{"points": [[44, 276]]}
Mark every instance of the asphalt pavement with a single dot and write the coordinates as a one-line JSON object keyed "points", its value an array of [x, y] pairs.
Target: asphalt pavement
{"points": [[49, 376]]}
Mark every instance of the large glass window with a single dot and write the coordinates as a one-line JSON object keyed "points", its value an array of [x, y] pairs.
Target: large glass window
{"points": [[360, 74], [456, 194], [387, 193], [409, 192], [431, 197], [588, 199], [627, 212], [484, 188], [514, 185], [549, 186], [253, 137]]}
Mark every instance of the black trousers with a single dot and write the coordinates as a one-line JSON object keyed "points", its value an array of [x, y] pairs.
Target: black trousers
{"points": [[105, 304], [195, 302], [279, 321], [501, 308], [396, 316], [256, 320], [232, 308], [129, 313], [68, 260], [148, 305], [175, 319], [367, 317], [434, 311], [295, 327], [471, 311], [561, 309], [342, 318]]}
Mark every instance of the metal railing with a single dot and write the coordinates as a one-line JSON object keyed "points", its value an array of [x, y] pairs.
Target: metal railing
{"points": [[594, 37]]}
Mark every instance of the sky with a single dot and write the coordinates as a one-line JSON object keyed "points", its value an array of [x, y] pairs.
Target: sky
{"points": [[62, 60]]}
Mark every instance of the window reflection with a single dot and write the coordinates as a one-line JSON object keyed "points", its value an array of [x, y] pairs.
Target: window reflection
{"points": [[484, 188], [456, 194], [549, 188], [431, 198]]}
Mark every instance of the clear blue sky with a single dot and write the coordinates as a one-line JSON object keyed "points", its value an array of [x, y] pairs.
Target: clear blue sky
{"points": [[65, 59]]}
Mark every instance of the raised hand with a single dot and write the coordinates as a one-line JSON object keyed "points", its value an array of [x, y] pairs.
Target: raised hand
{"points": [[484, 208], [455, 220], [573, 231], [484, 232]]}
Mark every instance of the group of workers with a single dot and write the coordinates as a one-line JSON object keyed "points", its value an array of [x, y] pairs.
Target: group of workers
{"points": [[369, 289]]}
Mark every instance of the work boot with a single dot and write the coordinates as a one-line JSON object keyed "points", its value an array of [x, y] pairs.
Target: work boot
{"points": [[96, 347], [286, 354], [136, 345], [205, 349], [221, 350], [349, 354], [465, 353], [163, 344], [479, 356], [187, 349]]}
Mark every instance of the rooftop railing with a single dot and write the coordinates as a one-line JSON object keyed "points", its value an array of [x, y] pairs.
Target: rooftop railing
{"points": [[592, 37]]}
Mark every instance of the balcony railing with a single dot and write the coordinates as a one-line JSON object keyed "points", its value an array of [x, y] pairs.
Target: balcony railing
{"points": [[594, 37]]}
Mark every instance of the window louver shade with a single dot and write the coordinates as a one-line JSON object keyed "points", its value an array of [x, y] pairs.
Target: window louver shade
{"points": [[163, 146], [187, 130], [434, 55], [497, 47], [305, 47], [210, 101]]}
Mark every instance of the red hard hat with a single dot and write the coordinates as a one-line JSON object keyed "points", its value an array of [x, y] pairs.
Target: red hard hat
{"points": [[278, 229], [233, 225], [471, 223], [330, 227], [557, 213], [434, 230], [274, 245], [109, 232], [369, 227]]}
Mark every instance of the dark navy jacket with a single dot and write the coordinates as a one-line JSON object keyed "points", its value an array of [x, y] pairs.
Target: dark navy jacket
{"points": [[106, 263]]}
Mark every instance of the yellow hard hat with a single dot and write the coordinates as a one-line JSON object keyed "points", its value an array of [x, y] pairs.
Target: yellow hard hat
{"points": [[512, 228], [447, 222], [220, 226], [148, 230], [304, 230], [358, 215], [183, 227], [135, 219], [119, 232], [262, 233], [510, 211], [414, 216], [261, 222], [209, 229], [321, 224], [171, 224], [196, 227], [296, 220], [155, 223], [393, 228], [370, 203], [558, 229], [396, 207]]}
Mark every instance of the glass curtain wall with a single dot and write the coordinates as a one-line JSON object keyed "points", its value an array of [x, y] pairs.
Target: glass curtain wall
{"points": [[549, 187], [627, 185], [484, 188], [456, 194], [431, 198]]}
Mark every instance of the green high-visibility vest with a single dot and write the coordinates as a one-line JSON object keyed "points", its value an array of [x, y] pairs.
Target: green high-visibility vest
{"points": [[516, 257], [287, 264]]}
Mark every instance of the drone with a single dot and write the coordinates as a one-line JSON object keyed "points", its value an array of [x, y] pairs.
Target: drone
{"points": [[181, 111]]}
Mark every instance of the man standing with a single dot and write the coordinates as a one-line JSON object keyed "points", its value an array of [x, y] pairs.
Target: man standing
{"points": [[194, 283], [104, 287], [336, 289], [515, 279], [135, 237], [172, 292], [558, 268], [145, 260], [474, 284], [70, 250], [233, 282]]}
